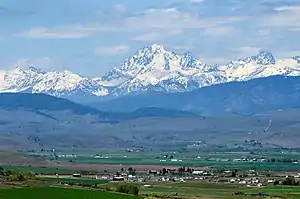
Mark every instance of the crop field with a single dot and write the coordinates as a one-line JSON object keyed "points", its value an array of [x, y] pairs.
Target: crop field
{"points": [[81, 181], [216, 191], [155, 158], [66, 193], [39, 169], [185, 161]]}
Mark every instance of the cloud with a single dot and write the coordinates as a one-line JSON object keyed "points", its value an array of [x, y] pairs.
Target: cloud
{"points": [[44, 63], [111, 50], [218, 31], [120, 8], [171, 18], [246, 51], [157, 35], [65, 32], [288, 53], [286, 16], [196, 1]]}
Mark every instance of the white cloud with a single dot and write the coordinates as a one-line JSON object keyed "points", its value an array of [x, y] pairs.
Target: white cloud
{"points": [[196, 1], [288, 53], [287, 8], [111, 50], [246, 51], [175, 32], [120, 8], [264, 32], [157, 35], [287, 16], [218, 31], [171, 18], [44, 63], [148, 36], [65, 32]]}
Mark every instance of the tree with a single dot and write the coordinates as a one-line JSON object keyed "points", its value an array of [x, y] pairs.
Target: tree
{"points": [[164, 171], [131, 171], [290, 181], [1, 171], [276, 182], [128, 189]]}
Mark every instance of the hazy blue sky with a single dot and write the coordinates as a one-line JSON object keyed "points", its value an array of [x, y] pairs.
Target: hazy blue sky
{"points": [[91, 36]]}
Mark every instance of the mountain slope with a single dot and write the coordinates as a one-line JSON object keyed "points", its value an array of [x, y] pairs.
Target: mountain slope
{"points": [[262, 94], [46, 103], [21, 129], [40, 120]]}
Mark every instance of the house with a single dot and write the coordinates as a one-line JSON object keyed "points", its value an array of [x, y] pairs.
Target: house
{"points": [[197, 172], [76, 175], [153, 172], [118, 178]]}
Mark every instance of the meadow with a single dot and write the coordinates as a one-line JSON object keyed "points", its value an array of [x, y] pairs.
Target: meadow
{"points": [[216, 191], [203, 190], [66, 193], [216, 160]]}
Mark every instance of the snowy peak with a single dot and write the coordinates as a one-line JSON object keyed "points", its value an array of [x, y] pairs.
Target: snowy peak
{"points": [[155, 48], [55, 83], [35, 70], [297, 58], [264, 58], [156, 69], [154, 59], [152, 68], [262, 65]]}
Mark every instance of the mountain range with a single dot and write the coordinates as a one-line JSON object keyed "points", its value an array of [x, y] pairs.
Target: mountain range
{"points": [[40, 121], [150, 69], [242, 98]]}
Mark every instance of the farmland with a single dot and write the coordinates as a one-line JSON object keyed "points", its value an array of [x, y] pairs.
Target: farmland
{"points": [[267, 160], [156, 174], [50, 193], [171, 190]]}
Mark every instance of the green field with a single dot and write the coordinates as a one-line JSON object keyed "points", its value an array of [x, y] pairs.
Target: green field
{"points": [[36, 169], [59, 193], [213, 190], [275, 166], [80, 181], [180, 190]]}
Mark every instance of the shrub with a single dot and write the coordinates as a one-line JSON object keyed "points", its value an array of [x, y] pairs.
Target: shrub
{"points": [[128, 189]]}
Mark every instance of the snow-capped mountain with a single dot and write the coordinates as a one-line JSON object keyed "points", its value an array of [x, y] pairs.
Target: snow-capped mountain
{"points": [[151, 68], [58, 84], [262, 65], [155, 69]]}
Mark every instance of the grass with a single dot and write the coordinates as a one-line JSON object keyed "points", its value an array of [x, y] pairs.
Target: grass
{"points": [[51, 192], [275, 166], [44, 170], [205, 190]]}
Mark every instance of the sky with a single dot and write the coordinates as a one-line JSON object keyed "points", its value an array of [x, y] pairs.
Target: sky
{"points": [[90, 37]]}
